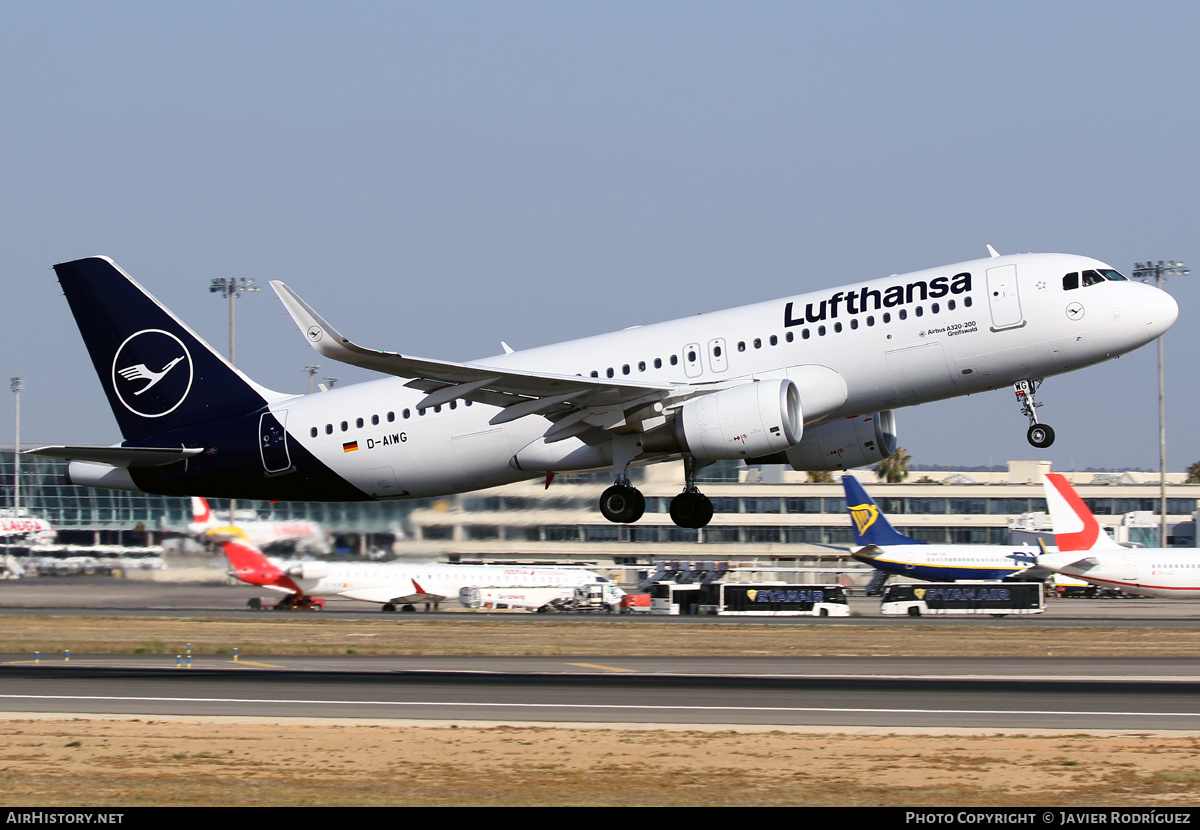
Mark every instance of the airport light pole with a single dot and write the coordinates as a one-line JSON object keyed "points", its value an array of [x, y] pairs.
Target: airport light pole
{"points": [[312, 376], [1159, 271], [232, 288], [17, 385]]}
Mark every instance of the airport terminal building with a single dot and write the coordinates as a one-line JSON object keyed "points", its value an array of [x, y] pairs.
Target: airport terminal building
{"points": [[768, 517]]}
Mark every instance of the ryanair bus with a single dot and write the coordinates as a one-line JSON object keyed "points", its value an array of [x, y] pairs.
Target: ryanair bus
{"points": [[777, 599], [996, 598]]}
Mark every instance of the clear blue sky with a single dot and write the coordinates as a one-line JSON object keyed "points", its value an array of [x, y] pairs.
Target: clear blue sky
{"points": [[436, 177]]}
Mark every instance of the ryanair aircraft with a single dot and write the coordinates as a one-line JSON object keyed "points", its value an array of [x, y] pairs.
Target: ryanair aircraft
{"points": [[811, 381], [885, 548]]}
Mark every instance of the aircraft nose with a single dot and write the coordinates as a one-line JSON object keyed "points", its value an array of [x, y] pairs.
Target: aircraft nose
{"points": [[1159, 310]]}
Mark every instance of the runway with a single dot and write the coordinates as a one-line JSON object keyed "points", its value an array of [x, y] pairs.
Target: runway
{"points": [[1084, 694], [1001, 693]]}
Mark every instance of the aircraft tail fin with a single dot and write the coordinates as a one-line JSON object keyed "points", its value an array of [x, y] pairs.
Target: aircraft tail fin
{"points": [[158, 374], [1075, 528], [249, 565], [201, 512], [869, 524]]}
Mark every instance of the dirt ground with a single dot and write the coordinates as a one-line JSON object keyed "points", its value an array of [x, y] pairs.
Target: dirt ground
{"points": [[66, 760], [125, 762]]}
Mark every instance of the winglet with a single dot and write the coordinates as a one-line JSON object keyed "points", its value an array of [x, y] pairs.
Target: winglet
{"points": [[320, 335], [992, 251]]}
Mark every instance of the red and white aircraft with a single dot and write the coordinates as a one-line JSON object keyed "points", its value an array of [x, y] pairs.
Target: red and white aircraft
{"points": [[389, 584], [258, 532], [1087, 552], [28, 529]]}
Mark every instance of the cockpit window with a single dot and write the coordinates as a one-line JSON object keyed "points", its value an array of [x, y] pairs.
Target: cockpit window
{"points": [[1110, 274], [1092, 278], [1071, 281]]}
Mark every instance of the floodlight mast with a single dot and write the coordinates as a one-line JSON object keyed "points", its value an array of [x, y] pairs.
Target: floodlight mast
{"points": [[1160, 270], [233, 287], [17, 384]]}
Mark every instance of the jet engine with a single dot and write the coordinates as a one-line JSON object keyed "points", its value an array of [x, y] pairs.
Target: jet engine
{"points": [[756, 419], [841, 445], [309, 570]]}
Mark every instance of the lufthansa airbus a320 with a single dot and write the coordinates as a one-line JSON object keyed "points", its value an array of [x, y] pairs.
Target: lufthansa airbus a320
{"points": [[810, 380]]}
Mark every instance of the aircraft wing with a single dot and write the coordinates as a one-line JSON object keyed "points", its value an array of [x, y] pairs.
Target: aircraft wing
{"points": [[118, 456], [576, 403], [386, 595]]}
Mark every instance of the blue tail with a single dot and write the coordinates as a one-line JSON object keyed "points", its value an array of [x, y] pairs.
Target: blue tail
{"points": [[870, 526], [170, 389], [159, 376]]}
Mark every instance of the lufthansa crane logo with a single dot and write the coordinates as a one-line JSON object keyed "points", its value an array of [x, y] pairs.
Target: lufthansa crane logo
{"points": [[152, 373], [864, 516]]}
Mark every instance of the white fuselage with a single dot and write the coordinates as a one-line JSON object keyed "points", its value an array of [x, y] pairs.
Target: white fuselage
{"points": [[951, 563], [391, 582], [1150, 572], [873, 345]]}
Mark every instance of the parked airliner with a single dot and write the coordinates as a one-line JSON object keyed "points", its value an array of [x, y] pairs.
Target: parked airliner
{"points": [[306, 584], [887, 549], [258, 532], [1087, 552], [810, 381]]}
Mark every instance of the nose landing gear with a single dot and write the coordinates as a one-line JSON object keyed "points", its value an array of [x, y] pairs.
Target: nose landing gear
{"points": [[1039, 435]]}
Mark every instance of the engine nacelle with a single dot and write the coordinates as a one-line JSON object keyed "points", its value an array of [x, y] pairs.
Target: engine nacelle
{"points": [[756, 419], [846, 443], [309, 570]]}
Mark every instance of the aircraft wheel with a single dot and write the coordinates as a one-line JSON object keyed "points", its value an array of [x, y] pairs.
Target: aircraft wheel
{"points": [[1040, 436], [622, 504], [388, 608], [692, 510]]}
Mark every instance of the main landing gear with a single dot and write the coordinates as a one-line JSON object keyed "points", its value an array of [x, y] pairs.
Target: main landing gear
{"points": [[691, 508], [1039, 435], [623, 503]]}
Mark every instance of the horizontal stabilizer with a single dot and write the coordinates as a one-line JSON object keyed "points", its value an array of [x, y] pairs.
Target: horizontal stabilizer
{"points": [[127, 457]]}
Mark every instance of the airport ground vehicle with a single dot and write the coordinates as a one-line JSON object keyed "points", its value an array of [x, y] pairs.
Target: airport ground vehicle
{"points": [[635, 604], [598, 596], [749, 599], [995, 598]]}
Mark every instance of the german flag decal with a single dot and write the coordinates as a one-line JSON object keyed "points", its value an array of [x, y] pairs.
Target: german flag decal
{"points": [[350, 446]]}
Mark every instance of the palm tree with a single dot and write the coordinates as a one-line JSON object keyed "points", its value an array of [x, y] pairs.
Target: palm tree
{"points": [[820, 477], [1193, 474], [894, 468]]}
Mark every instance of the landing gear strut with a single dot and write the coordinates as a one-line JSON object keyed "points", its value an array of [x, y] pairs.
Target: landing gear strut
{"points": [[691, 508], [1039, 435], [623, 503]]}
